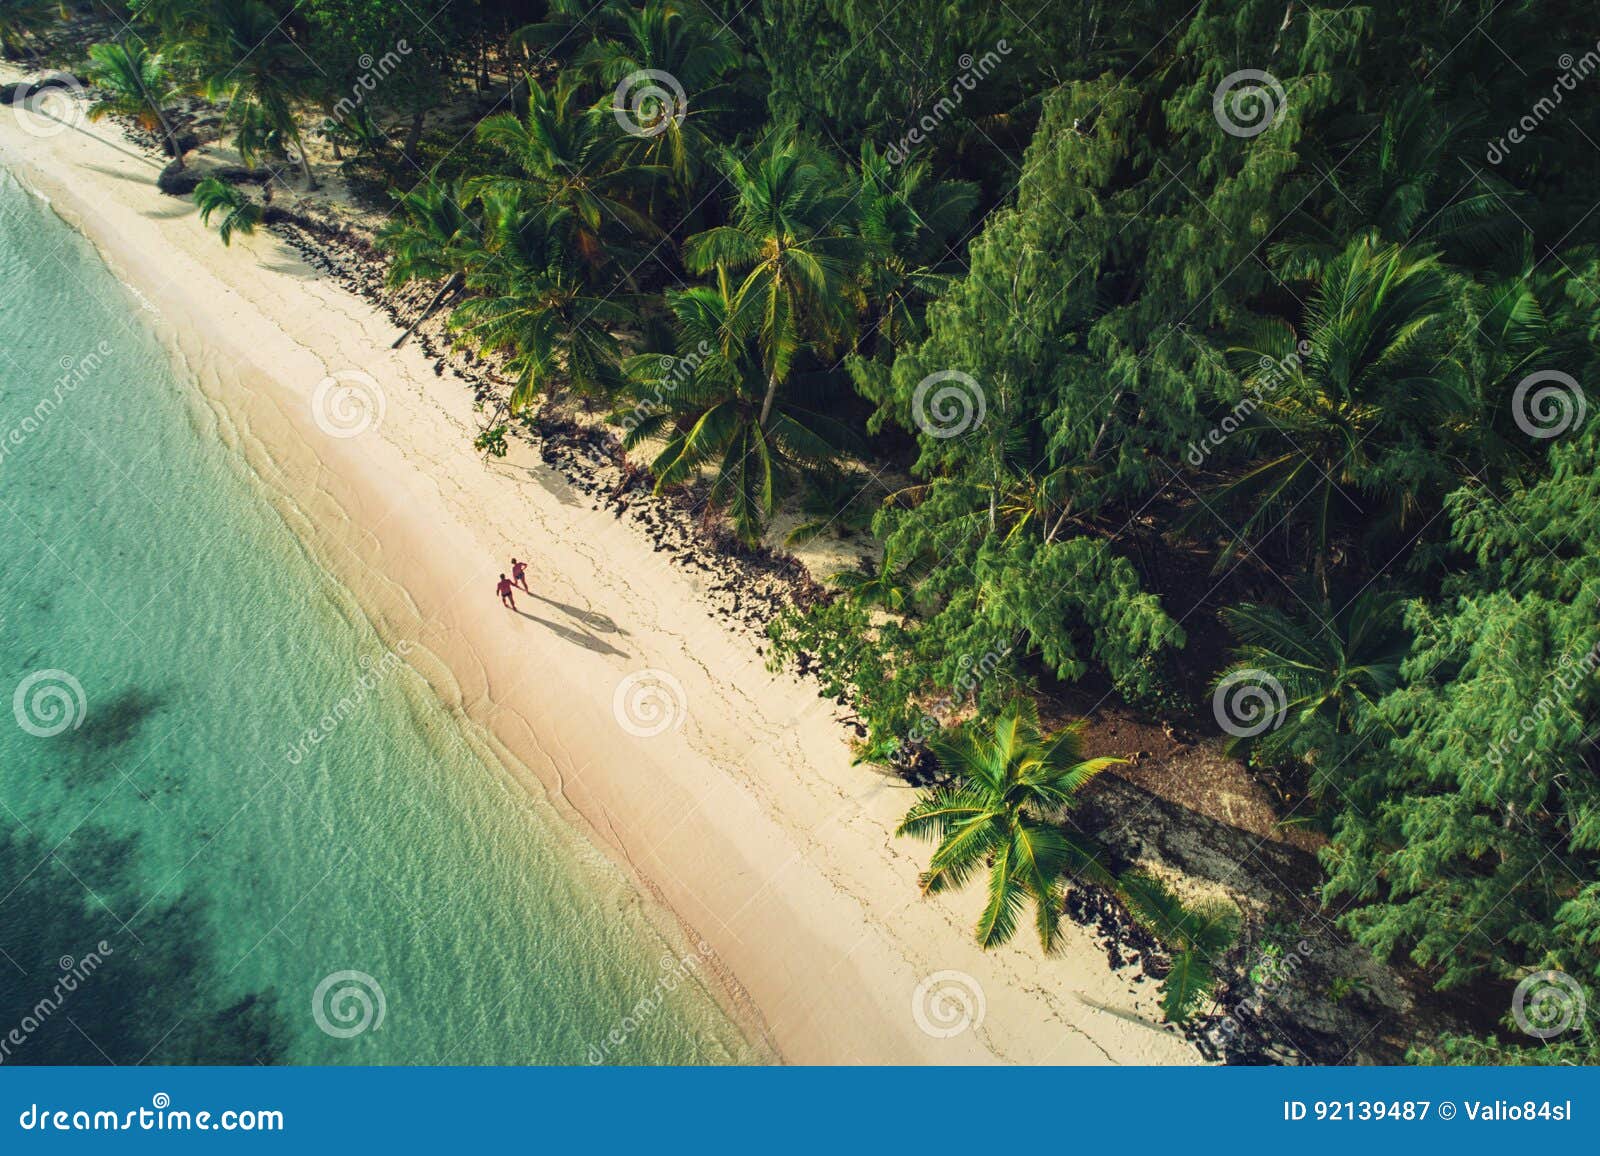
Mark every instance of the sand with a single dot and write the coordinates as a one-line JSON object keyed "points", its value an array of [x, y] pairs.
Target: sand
{"points": [[743, 815]]}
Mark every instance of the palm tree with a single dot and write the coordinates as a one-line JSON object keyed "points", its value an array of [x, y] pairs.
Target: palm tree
{"points": [[430, 233], [21, 21], [835, 502], [907, 219], [664, 39], [788, 238], [357, 132], [570, 27], [534, 302], [708, 405], [239, 213], [574, 159], [242, 55], [1196, 937], [888, 584], [1010, 786], [1331, 671], [428, 238], [1400, 186], [1360, 404], [136, 80]]}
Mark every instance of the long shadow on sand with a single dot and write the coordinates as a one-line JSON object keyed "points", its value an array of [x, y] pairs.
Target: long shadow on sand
{"points": [[578, 637], [589, 618]]}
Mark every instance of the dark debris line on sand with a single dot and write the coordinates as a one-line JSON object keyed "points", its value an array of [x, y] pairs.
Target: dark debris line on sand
{"points": [[747, 588]]}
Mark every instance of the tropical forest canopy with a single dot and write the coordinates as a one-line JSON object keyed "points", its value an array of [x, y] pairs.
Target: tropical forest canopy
{"points": [[1259, 321]]}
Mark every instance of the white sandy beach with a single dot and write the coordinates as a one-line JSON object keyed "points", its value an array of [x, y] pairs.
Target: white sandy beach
{"points": [[746, 819]]}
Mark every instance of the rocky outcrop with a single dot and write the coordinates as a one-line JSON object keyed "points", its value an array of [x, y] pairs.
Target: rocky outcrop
{"points": [[10, 93], [180, 182]]}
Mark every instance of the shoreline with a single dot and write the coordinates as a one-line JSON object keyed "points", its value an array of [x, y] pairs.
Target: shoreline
{"points": [[743, 817]]}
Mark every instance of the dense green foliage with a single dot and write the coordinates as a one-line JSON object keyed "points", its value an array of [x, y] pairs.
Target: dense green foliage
{"points": [[1117, 295]]}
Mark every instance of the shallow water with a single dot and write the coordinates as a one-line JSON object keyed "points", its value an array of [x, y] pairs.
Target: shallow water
{"points": [[234, 825]]}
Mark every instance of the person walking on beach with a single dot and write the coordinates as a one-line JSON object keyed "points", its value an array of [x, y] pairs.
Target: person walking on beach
{"points": [[519, 574], [504, 590]]}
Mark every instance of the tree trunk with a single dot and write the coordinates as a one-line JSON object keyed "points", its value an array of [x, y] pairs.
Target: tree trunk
{"points": [[772, 375], [174, 146], [1094, 452], [414, 136], [766, 402], [305, 168], [451, 285]]}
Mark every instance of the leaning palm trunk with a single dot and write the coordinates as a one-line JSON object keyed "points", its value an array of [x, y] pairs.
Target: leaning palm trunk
{"points": [[305, 167], [766, 402], [772, 375], [452, 286], [174, 146]]}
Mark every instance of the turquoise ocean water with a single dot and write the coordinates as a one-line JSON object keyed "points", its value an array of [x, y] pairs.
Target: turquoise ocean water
{"points": [[184, 876]]}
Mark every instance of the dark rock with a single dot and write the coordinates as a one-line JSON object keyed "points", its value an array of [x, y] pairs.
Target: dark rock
{"points": [[10, 92], [180, 182]]}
